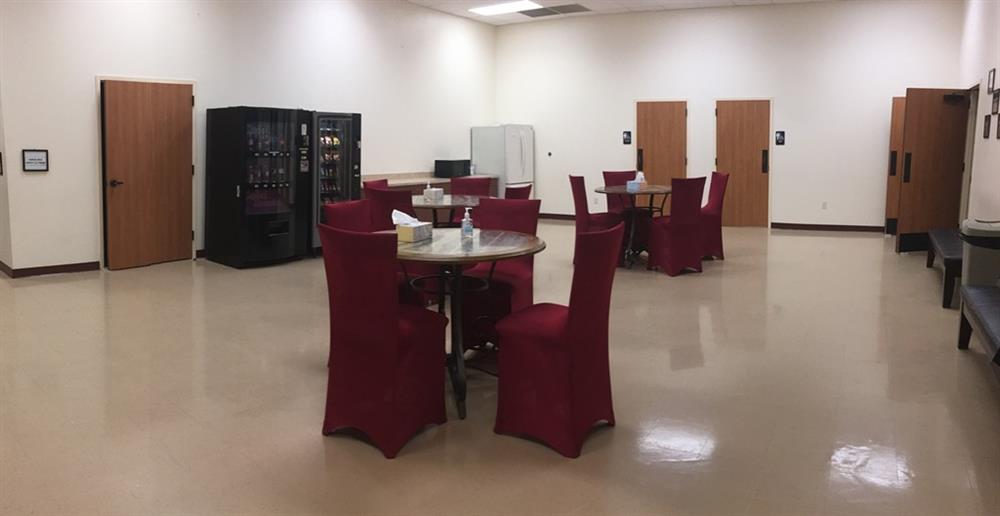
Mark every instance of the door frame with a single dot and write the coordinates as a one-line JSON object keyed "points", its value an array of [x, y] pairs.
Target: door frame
{"points": [[770, 146], [970, 152], [102, 181]]}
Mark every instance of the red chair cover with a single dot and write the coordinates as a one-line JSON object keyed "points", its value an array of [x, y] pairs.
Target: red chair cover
{"points": [[382, 204], [618, 203], [675, 242], [711, 217], [517, 192], [385, 376], [349, 215], [555, 381], [475, 185], [382, 184], [512, 282], [586, 221]]}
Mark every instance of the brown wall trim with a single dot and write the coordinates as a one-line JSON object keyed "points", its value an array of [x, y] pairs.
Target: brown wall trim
{"points": [[4, 268], [54, 269], [827, 227], [556, 216]]}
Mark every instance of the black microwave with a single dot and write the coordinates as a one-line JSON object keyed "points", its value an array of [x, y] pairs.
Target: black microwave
{"points": [[451, 167]]}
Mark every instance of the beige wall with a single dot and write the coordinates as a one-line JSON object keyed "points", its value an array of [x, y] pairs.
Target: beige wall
{"points": [[420, 78], [830, 69], [981, 52]]}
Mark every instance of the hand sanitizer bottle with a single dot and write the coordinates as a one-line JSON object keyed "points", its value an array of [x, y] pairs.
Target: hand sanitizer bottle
{"points": [[467, 224]]}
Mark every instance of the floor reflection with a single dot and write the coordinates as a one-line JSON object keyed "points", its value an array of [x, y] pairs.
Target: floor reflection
{"points": [[674, 442], [875, 465]]}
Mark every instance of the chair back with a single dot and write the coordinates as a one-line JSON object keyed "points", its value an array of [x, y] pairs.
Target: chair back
{"points": [[519, 215], [582, 214], [476, 185], [361, 284], [382, 204], [685, 202], [595, 261], [349, 215], [376, 183], [517, 192], [716, 194], [618, 203]]}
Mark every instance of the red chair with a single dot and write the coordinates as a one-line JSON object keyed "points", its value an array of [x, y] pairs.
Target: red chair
{"points": [[385, 376], [349, 215], [511, 282], [586, 221], [517, 191], [623, 205], [382, 204], [555, 382], [619, 203], [474, 185], [711, 217], [382, 184], [675, 241]]}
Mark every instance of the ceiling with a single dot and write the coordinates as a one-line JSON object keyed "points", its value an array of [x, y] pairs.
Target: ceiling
{"points": [[461, 7]]}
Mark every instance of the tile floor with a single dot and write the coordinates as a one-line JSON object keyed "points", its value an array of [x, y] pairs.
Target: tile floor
{"points": [[806, 374]]}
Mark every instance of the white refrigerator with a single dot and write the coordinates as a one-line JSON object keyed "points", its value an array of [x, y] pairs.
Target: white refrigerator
{"points": [[505, 151]]}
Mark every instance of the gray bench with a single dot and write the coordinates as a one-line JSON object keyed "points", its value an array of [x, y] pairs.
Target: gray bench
{"points": [[946, 244], [981, 312]]}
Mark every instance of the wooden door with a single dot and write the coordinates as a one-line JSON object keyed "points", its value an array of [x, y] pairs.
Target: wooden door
{"points": [[661, 140], [895, 164], [742, 146], [933, 151], [147, 143]]}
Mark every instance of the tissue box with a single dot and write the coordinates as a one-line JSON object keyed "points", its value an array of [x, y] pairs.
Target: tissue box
{"points": [[633, 186], [413, 232], [433, 194]]}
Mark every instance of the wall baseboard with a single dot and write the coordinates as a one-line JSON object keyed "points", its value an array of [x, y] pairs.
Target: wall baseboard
{"points": [[200, 253], [556, 216], [827, 227], [50, 269]]}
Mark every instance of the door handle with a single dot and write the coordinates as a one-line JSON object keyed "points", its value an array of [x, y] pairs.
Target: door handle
{"points": [[115, 183], [638, 160], [764, 165], [892, 163], [907, 158]]}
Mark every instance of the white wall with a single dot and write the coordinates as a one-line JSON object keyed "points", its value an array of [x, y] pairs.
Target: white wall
{"points": [[420, 78], [980, 53], [830, 69]]}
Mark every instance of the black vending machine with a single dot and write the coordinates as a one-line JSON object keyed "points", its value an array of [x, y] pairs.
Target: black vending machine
{"points": [[338, 164], [258, 185]]}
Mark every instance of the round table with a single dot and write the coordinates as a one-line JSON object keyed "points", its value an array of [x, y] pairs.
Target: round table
{"points": [[451, 252], [645, 189], [447, 202]]}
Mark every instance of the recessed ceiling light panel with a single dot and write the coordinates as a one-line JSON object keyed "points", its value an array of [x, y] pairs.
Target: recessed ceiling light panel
{"points": [[505, 8]]}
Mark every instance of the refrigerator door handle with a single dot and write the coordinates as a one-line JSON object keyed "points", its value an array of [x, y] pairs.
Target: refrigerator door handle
{"points": [[237, 191]]}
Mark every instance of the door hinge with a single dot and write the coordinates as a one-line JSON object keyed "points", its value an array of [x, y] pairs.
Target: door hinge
{"points": [[685, 111], [192, 100], [716, 161], [716, 111], [192, 170], [192, 235], [685, 161]]}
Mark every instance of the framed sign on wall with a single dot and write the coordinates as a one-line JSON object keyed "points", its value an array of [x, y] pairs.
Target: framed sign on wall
{"points": [[35, 160]]}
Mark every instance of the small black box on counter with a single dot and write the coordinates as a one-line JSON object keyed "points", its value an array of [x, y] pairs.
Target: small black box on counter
{"points": [[451, 167]]}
